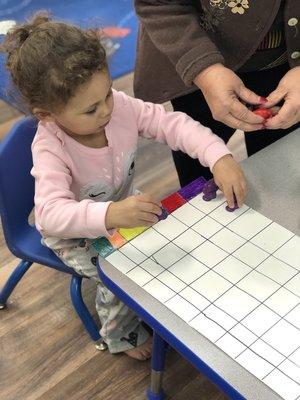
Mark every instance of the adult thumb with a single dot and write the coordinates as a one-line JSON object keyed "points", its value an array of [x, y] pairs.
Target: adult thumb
{"points": [[250, 97], [275, 96]]}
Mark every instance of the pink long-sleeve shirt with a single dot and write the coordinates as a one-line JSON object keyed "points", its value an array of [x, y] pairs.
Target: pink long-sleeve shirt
{"points": [[75, 184]]}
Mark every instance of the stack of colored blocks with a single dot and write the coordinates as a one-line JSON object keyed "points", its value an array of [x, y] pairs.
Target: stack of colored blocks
{"points": [[106, 246]]}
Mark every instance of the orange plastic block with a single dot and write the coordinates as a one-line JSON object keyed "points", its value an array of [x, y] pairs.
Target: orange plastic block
{"points": [[117, 240]]}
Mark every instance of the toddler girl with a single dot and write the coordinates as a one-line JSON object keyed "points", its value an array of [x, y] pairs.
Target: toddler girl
{"points": [[84, 155]]}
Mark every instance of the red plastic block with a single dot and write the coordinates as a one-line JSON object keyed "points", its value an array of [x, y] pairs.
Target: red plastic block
{"points": [[172, 202]]}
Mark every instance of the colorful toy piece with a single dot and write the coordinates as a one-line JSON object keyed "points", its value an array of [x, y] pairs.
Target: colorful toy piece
{"points": [[194, 188], [172, 202], [266, 113], [103, 246], [163, 215], [210, 190], [131, 233], [234, 207], [210, 193], [117, 240]]}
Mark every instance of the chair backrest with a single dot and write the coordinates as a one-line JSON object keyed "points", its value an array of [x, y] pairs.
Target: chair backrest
{"points": [[16, 183]]}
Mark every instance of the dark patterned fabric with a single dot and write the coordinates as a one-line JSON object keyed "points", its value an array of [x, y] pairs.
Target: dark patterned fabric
{"points": [[272, 50]]}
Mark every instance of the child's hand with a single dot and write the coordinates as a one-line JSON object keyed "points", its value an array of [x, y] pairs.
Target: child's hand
{"points": [[230, 178], [141, 210]]}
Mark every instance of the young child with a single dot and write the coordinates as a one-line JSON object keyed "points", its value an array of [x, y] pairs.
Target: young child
{"points": [[84, 155]]}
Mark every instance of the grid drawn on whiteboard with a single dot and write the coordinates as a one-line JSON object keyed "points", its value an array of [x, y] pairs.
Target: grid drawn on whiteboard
{"points": [[234, 277]]}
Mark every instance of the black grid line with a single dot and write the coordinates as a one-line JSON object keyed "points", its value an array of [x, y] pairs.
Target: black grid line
{"points": [[287, 358], [209, 269]]}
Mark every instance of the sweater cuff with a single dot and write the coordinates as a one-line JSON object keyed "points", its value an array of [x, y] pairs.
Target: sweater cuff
{"points": [[198, 59], [95, 219], [214, 152]]}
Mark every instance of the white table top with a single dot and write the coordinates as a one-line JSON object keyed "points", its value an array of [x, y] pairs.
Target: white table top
{"points": [[274, 190]]}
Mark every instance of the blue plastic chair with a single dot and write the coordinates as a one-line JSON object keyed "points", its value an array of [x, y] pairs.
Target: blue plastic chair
{"points": [[22, 239]]}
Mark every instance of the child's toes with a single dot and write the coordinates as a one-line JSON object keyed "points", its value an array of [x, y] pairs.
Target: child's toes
{"points": [[146, 354], [142, 352]]}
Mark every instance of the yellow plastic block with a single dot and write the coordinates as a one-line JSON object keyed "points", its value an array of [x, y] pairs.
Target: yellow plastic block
{"points": [[131, 233], [117, 240]]}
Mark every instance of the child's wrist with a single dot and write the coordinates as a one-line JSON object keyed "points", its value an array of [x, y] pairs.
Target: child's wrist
{"points": [[221, 160], [110, 217]]}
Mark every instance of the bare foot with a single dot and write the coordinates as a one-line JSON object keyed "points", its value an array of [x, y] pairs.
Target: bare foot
{"points": [[142, 352]]}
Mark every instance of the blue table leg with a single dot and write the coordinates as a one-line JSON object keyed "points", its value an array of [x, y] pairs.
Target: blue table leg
{"points": [[155, 392]]}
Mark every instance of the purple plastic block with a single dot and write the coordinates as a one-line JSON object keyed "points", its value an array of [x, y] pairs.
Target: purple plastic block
{"points": [[191, 190], [234, 207], [209, 196], [163, 215], [210, 190]]}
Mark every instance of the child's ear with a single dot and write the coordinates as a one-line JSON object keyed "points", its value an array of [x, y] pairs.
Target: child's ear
{"points": [[43, 115]]}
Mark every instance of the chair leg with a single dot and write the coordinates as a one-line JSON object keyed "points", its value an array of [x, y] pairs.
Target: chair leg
{"points": [[83, 312], [12, 281], [159, 346]]}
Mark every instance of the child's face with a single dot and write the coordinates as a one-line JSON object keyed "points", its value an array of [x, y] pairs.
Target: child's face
{"points": [[90, 109]]}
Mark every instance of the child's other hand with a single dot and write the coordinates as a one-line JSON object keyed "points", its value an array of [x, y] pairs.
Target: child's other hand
{"points": [[230, 178], [140, 210]]}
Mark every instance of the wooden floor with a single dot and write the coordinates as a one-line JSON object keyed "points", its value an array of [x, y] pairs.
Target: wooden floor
{"points": [[45, 354]]}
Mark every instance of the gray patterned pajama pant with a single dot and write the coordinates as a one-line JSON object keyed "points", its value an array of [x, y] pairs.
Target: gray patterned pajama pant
{"points": [[121, 329]]}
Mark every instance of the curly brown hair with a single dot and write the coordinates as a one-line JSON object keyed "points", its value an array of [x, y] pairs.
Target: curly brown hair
{"points": [[49, 60]]}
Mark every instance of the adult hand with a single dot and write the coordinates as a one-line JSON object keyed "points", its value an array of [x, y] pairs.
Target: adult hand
{"points": [[134, 211], [289, 90], [224, 91]]}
